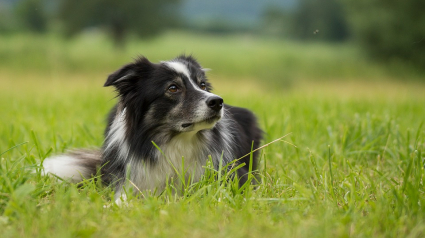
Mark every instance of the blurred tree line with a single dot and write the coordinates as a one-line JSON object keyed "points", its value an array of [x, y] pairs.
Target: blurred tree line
{"points": [[310, 20], [389, 29], [386, 29], [144, 18]]}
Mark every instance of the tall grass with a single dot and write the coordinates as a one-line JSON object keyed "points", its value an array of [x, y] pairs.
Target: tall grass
{"points": [[357, 169]]}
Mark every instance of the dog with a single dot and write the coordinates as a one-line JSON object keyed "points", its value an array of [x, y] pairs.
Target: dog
{"points": [[166, 116]]}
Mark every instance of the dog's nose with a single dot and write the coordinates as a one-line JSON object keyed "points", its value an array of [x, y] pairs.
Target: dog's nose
{"points": [[215, 103]]}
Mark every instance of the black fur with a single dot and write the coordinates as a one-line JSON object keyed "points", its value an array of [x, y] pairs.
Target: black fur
{"points": [[248, 135]]}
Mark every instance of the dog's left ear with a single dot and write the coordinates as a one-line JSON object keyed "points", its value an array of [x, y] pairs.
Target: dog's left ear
{"points": [[124, 78], [123, 74]]}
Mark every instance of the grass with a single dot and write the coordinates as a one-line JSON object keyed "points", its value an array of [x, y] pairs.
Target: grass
{"points": [[356, 171]]}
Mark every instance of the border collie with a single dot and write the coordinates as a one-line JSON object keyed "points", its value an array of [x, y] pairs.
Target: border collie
{"points": [[167, 105]]}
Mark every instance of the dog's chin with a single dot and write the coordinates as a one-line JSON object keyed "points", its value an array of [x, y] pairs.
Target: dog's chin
{"points": [[205, 124]]}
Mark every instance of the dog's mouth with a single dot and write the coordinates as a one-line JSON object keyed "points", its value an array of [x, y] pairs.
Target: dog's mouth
{"points": [[209, 120], [186, 125]]}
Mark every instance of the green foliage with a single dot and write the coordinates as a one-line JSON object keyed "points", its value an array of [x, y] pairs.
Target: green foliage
{"points": [[318, 19], [120, 18], [390, 30], [8, 21], [32, 15]]}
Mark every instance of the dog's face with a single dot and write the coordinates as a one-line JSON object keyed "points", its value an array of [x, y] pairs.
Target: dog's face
{"points": [[173, 95]]}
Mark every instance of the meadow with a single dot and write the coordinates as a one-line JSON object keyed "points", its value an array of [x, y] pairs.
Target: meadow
{"points": [[351, 165]]}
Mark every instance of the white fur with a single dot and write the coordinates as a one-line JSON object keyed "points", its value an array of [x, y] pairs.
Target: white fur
{"points": [[229, 140], [116, 135], [178, 67], [120, 198], [183, 147], [65, 167]]}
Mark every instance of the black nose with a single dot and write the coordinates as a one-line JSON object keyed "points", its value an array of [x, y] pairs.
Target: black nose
{"points": [[215, 103]]}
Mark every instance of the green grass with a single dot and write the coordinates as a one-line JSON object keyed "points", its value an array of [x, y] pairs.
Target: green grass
{"points": [[357, 169]]}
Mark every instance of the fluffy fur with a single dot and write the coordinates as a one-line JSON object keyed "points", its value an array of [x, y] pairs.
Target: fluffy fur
{"points": [[169, 104]]}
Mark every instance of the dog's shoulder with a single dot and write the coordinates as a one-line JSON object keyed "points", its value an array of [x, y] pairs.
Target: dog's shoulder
{"points": [[242, 116], [247, 123], [247, 135]]}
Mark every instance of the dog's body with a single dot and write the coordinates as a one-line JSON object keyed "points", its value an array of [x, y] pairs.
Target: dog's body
{"points": [[168, 104]]}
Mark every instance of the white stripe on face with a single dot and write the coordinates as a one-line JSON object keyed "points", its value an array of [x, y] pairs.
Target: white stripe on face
{"points": [[179, 67]]}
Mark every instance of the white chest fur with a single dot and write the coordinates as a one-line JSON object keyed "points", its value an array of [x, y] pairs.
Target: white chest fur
{"points": [[180, 160]]}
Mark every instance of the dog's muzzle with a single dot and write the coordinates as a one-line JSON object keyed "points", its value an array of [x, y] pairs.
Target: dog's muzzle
{"points": [[215, 103]]}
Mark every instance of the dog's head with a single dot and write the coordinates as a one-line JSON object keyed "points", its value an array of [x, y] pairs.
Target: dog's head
{"points": [[173, 95]]}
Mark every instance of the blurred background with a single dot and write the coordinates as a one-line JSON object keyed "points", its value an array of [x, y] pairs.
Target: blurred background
{"points": [[281, 42]]}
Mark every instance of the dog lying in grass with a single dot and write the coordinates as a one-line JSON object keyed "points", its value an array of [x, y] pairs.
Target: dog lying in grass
{"points": [[166, 118]]}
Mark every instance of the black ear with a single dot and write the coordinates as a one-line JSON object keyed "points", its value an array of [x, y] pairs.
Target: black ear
{"points": [[130, 73], [125, 73]]}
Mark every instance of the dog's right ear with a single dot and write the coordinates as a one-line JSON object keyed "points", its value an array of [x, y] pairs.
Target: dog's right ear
{"points": [[129, 74]]}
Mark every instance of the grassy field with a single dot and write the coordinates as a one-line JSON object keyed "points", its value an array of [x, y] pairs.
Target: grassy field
{"points": [[357, 169]]}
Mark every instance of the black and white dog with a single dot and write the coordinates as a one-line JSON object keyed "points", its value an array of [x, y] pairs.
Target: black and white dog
{"points": [[169, 104]]}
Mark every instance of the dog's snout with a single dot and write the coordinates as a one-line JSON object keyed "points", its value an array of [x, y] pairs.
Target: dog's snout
{"points": [[215, 103]]}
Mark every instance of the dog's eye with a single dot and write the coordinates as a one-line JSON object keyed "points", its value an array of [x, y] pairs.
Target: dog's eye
{"points": [[173, 89], [203, 86]]}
